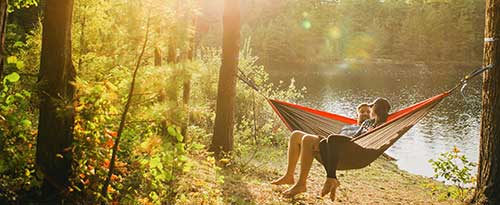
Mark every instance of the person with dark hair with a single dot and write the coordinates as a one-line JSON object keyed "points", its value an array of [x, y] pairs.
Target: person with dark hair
{"points": [[306, 147], [329, 153], [363, 114]]}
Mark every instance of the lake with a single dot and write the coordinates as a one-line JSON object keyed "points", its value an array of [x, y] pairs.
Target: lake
{"points": [[455, 122]]}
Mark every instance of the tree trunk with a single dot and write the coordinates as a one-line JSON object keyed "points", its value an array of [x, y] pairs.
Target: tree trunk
{"points": [[172, 50], [157, 57], [488, 178], [187, 81], [53, 154], [82, 42], [226, 96], [3, 26]]}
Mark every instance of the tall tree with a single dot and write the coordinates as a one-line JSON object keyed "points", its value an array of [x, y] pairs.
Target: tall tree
{"points": [[226, 90], [186, 87], [3, 25], [53, 154], [488, 180]]}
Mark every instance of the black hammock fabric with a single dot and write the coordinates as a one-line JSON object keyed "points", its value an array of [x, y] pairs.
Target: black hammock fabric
{"points": [[360, 151]]}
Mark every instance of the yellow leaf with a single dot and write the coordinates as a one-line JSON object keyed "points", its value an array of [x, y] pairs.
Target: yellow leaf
{"points": [[224, 161]]}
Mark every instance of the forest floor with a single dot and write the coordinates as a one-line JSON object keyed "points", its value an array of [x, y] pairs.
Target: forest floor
{"points": [[247, 182]]}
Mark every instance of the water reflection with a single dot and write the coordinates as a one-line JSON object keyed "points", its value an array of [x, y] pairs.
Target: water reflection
{"points": [[455, 122]]}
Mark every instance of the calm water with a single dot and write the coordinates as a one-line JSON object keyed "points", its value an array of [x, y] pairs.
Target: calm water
{"points": [[455, 122]]}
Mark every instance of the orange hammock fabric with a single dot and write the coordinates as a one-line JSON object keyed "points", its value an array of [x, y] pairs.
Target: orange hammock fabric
{"points": [[360, 151]]}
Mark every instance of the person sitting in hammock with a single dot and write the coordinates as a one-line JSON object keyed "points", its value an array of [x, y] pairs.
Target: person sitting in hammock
{"points": [[329, 153], [363, 113], [307, 147]]}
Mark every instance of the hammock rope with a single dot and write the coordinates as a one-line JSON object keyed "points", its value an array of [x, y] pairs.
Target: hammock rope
{"points": [[360, 151]]}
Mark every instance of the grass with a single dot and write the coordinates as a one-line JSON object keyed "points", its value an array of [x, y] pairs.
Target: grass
{"points": [[247, 182]]}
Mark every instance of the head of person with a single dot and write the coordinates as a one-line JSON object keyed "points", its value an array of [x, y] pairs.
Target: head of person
{"points": [[379, 110], [363, 111]]}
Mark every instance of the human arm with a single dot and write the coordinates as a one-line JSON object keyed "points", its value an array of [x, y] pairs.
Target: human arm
{"points": [[365, 127]]}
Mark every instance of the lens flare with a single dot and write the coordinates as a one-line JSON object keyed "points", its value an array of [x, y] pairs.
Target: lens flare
{"points": [[306, 24], [334, 33]]}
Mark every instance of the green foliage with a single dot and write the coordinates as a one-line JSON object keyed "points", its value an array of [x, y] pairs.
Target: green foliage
{"points": [[19, 4], [257, 124], [456, 168], [17, 140], [320, 35], [93, 137], [142, 148]]}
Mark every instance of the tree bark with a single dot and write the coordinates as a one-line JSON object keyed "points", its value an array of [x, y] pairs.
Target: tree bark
{"points": [[488, 178], [3, 26], [187, 81], [172, 51], [157, 57], [53, 154], [83, 50], [222, 140]]}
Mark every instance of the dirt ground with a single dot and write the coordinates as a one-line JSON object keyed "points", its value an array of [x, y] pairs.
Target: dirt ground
{"points": [[247, 182]]}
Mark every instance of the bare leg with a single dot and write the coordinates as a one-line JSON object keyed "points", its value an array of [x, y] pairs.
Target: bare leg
{"points": [[310, 144], [293, 156]]}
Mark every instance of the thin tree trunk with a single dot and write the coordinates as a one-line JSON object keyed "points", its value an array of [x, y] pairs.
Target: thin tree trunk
{"points": [[172, 44], [157, 57], [3, 26], [53, 154], [172, 51], [224, 120], [123, 118], [488, 178], [82, 42], [187, 81]]}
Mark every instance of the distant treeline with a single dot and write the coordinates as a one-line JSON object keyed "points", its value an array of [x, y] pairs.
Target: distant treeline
{"points": [[315, 33]]}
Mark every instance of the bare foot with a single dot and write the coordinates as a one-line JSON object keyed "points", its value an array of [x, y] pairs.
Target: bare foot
{"points": [[326, 187], [330, 183], [333, 189], [283, 180], [294, 190]]}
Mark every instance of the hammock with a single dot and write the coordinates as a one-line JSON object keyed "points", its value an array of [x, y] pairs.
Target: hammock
{"points": [[360, 151]]}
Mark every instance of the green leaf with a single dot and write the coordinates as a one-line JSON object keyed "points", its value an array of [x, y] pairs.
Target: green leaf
{"points": [[183, 158], [20, 64], [26, 123], [197, 146], [13, 77], [155, 162], [180, 147], [179, 138], [11, 59], [10, 99], [26, 93], [171, 131], [18, 44]]}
